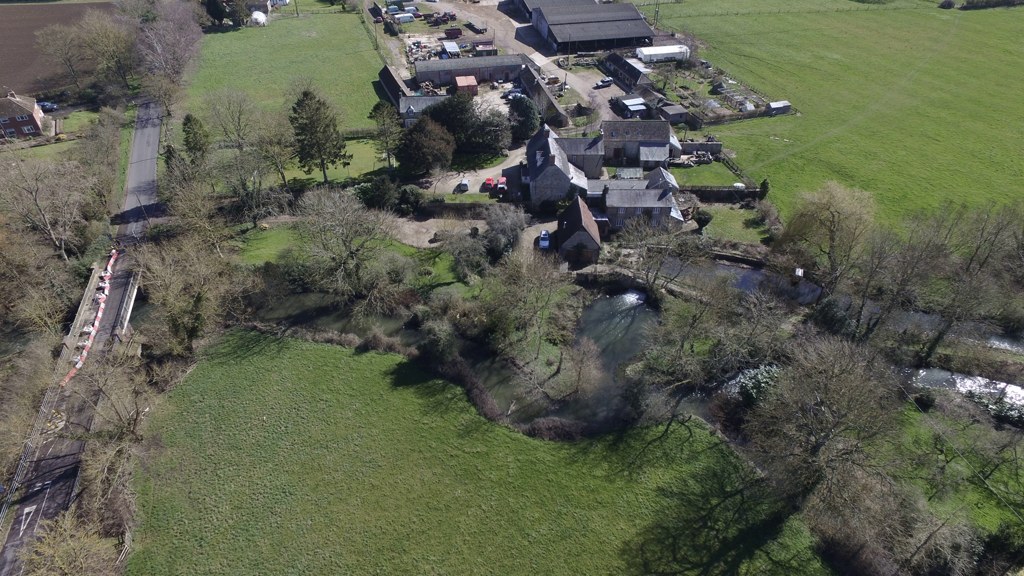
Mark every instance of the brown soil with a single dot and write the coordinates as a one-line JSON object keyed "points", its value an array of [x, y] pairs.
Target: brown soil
{"points": [[22, 68]]}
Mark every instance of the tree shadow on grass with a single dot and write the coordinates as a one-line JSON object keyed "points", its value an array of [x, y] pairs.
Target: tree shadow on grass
{"points": [[631, 449], [243, 344], [719, 519], [438, 396]]}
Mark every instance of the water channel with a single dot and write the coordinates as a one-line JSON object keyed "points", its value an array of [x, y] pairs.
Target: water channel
{"points": [[618, 324]]}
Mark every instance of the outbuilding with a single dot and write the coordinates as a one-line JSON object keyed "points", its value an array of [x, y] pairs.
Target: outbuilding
{"points": [[779, 107], [466, 85], [655, 54], [674, 113], [483, 68], [451, 48]]}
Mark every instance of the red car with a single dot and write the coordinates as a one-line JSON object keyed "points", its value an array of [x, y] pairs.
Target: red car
{"points": [[489, 184]]}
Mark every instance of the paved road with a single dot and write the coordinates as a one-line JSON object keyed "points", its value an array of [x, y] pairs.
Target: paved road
{"points": [[53, 471], [140, 201]]}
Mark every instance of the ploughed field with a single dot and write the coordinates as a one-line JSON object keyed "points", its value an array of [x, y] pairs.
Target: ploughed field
{"points": [[22, 68], [920, 106]]}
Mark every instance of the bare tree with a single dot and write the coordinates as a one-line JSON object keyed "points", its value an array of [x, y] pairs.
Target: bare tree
{"points": [[832, 224], [812, 428], [345, 239], [47, 197], [170, 41], [110, 42], [62, 44], [234, 116], [192, 291], [973, 242], [580, 375], [275, 141], [101, 157], [70, 547], [660, 254]]}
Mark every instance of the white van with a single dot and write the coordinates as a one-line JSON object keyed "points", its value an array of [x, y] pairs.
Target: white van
{"points": [[464, 185]]}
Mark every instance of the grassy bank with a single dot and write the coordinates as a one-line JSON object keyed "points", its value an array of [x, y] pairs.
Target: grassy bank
{"points": [[286, 457], [918, 105]]}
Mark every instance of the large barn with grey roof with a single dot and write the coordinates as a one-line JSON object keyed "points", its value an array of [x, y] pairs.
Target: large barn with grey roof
{"points": [[575, 27]]}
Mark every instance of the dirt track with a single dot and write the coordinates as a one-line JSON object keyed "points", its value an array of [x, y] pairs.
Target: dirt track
{"points": [[22, 68]]}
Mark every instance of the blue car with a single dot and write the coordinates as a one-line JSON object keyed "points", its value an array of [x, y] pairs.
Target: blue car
{"points": [[47, 106]]}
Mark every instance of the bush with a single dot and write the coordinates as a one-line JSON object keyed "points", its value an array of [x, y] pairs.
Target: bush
{"points": [[459, 372], [925, 401], [553, 428], [377, 341], [947, 4], [768, 216], [439, 343]]}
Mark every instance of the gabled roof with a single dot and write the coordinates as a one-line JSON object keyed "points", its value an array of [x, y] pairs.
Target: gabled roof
{"points": [[417, 103], [582, 146], [642, 198], [599, 187], [14, 105], [653, 152], [532, 5], [545, 149], [577, 217], [626, 68], [457, 64], [600, 22], [661, 178], [570, 14], [637, 130]]}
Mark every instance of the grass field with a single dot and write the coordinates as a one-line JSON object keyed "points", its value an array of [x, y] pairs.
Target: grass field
{"points": [[287, 457], [918, 105], [331, 50]]}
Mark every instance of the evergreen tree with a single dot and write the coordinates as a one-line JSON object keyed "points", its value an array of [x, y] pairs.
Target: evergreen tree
{"points": [[197, 139], [318, 142]]}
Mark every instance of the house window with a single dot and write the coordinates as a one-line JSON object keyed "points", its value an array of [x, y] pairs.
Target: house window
{"points": [[28, 129], [21, 118], [11, 132], [4, 120]]}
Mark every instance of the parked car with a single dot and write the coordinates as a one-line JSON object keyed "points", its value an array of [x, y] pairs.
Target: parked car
{"points": [[545, 240], [47, 106], [604, 82], [502, 184], [378, 20], [488, 183], [464, 185]]}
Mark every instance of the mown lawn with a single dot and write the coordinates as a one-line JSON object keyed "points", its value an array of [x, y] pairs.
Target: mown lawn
{"points": [[714, 174], [333, 51], [287, 457], [730, 222], [364, 161], [918, 105], [260, 246]]}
